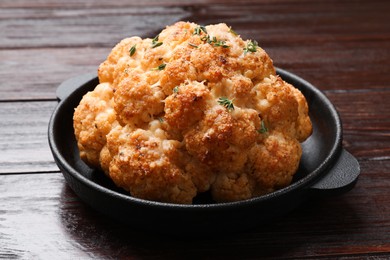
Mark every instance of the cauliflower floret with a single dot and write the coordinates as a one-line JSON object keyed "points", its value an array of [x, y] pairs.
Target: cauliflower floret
{"points": [[108, 71], [137, 102], [275, 161], [145, 165], [186, 106], [195, 109], [93, 119], [283, 107], [233, 187]]}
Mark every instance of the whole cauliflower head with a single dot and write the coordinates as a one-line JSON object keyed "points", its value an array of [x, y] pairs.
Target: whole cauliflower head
{"points": [[195, 109]]}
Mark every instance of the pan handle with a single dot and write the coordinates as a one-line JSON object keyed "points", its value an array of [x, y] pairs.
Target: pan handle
{"points": [[71, 84], [341, 178]]}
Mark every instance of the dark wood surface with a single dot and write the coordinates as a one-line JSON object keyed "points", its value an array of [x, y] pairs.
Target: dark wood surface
{"points": [[342, 47]]}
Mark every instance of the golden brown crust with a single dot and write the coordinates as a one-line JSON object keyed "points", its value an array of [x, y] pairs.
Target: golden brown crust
{"points": [[93, 119], [163, 133], [275, 161], [186, 106], [142, 164], [136, 102]]}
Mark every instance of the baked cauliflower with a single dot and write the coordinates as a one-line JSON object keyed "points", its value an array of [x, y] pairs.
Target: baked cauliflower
{"points": [[195, 109]]}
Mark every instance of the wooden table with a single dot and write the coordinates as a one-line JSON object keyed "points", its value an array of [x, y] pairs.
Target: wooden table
{"points": [[342, 47]]}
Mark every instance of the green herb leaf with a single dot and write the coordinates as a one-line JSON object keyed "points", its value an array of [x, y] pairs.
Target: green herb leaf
{"points": [[161, 119], [132, 50], [224, 101], [205, 38], [251, 47], [193, 45], [176, 89], [221, 44], [199, 29], [160, 67], [155, 42], [214, 42], [155, 39], [263, 129]]}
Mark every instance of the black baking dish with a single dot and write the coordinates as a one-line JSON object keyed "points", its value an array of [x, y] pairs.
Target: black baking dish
{"points": [[326, 168]]}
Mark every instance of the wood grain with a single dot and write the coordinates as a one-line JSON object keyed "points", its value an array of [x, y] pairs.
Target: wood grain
{"points": [[59, 223], [40, 71], [341, 47], [322, 42], [366, 122], [23, 137], [41, 234], [81, 27], [144, 3]]}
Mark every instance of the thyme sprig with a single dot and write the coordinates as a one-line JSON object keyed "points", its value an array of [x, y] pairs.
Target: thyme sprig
{"points": [[263, 129], [193, 45], [155, 42], [251, 46], [206, 38], [221, 44], [214, 42], [224, 101], [198, 30]]}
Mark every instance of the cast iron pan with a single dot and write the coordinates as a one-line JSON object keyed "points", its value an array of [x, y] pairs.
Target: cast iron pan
{"points": [[325, 169]]}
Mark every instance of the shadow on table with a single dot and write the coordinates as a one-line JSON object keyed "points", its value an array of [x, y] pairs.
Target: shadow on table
{"points": [[310, 225]]}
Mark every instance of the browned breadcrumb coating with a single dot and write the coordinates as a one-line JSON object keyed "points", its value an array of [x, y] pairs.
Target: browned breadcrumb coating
{"points": [[93, 119], [143, 164], [275, 161], [136, 101], [195, 109], [186, 107]]}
